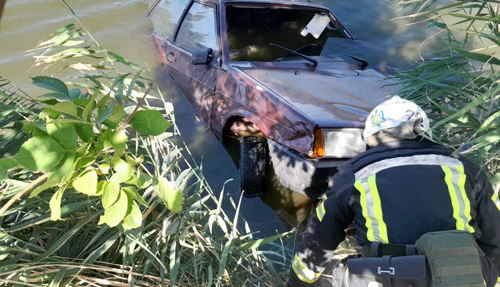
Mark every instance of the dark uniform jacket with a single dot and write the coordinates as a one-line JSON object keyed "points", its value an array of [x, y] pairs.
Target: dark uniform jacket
{"points": [[395, 193]]}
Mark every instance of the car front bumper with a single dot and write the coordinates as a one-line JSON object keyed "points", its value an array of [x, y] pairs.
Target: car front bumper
{"points": [[307, 176]]}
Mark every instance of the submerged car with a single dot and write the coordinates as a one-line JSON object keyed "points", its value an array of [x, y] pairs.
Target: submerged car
{"points": [[277, 75]]}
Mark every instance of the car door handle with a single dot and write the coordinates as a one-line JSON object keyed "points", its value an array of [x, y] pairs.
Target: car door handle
{"points": [[170, 57]]}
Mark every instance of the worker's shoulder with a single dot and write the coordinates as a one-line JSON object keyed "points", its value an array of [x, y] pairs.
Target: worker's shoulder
{"points": [[399, 149]]}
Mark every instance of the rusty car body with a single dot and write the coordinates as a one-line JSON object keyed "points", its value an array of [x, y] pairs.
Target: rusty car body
{"points": [[310, 111]]}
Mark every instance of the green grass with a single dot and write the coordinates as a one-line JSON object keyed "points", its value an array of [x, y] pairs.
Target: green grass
{"points": [[459, 84]]}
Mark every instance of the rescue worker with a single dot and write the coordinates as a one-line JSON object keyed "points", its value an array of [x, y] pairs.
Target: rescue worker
{"points": [[401, 188]]}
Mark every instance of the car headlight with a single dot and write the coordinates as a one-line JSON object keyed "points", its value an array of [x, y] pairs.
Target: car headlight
{"points": [[338, 143]]}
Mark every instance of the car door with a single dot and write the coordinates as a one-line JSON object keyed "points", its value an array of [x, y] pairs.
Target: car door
{"points": [[197, 31], [165, 16]]}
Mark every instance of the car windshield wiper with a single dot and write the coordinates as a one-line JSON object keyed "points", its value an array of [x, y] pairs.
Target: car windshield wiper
{"points": [[364, 63], [315, 63]]}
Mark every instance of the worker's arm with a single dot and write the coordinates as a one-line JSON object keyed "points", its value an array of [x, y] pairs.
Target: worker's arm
{"points": [[325, 231], [488, 218]]}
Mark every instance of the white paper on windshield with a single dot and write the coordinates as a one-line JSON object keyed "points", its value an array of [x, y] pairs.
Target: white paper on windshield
{"points": [[316, 26]]}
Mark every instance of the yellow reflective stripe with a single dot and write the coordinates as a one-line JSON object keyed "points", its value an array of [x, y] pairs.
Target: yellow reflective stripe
{"points": [[496, 200], [453, 196], [320, 211], [372, 209], [461, 185], [304, 273], [368, 220], [346, 278], [458, 197], [377, 206]]}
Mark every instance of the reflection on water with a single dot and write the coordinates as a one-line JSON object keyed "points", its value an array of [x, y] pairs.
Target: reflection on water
{"points": [[120, 26], [388, 43], [292, 208]]}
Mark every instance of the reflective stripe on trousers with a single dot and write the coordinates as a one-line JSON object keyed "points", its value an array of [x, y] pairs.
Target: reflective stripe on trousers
{"points": [[303, 273]]}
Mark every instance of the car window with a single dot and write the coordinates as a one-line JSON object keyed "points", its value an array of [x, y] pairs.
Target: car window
{"points": [[166, 14], [197, 31], [252, 31]]}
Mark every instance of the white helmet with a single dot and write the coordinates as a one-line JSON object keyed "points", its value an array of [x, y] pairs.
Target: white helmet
{"points": [[394, 113]]}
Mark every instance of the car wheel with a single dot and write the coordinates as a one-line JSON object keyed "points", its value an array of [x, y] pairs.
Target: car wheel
{"points": [[253, 165]]}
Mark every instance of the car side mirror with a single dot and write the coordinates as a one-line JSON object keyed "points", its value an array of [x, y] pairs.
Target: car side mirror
{"points": [[202, 57]]}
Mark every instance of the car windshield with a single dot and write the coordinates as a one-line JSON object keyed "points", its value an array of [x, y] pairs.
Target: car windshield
{"points": [[252, 31]]}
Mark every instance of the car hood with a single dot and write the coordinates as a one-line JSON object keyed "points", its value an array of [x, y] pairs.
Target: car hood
{"points": [[331, 98]]}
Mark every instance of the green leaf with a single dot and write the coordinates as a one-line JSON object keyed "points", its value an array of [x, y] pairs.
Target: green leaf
{"points": [[133, 160], [64, 167], [64, 134], [56, 96], [132, 193], [46, 185], [86, 160], [40, 154], [123, 60], [260, 242], [52, 84], [144, 180], [85, 132], [110, 194], [90, 106], [69, 121], [55, 204], [478, 57], [65, 108], [75, 93], [101, 186], [149, 123], [104, 113], [121, 166], [120, 177], [104, 139], [5, 165], [131, 86], [468, 107], [87, 183], [104, 168], [169, 193], [115, 118], [115, 213], [133, 219], [82, 103], [49, 113], [103, 101], [29, 127], [119, 81]]}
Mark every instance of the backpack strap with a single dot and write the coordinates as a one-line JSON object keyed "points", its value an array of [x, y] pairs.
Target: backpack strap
{"points": [[385, 271]]}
